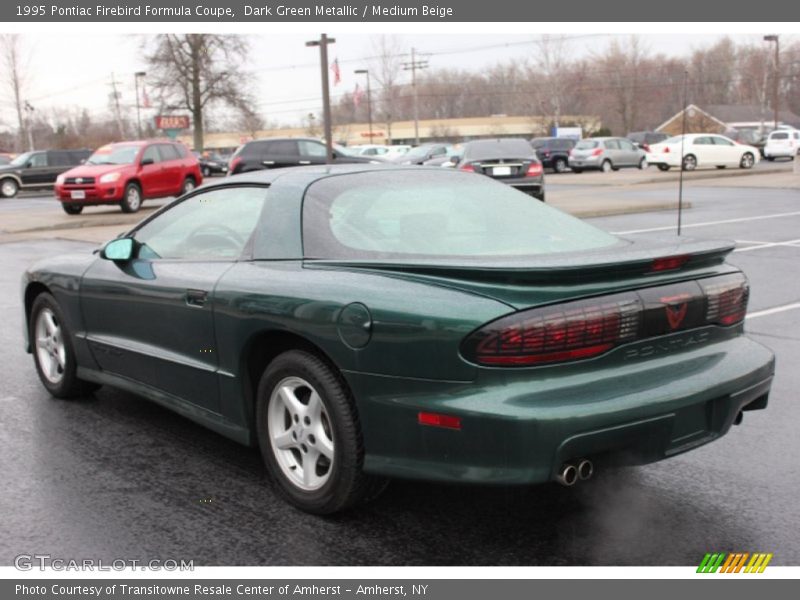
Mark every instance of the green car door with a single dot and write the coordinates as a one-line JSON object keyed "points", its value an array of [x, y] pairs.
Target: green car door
{"points": [[150, 317]]}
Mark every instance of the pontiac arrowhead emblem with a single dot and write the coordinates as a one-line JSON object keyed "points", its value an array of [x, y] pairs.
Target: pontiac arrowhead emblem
{"points": [[676, 312]]}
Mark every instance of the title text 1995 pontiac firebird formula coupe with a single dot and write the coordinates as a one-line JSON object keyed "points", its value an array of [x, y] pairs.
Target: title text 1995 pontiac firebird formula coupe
{"points": [[366, 322]]}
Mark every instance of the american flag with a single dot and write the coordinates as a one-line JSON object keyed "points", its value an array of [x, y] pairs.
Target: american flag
{"points": [[337, 73]]}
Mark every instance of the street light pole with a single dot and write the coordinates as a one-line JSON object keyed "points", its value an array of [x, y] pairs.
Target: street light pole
{"points": [[414, 66], [136, 77], [29, 112], [775, 38], [369, 100], [326, 99]]}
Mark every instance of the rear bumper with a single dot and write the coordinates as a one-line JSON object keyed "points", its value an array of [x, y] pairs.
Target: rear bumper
{"points": [[519, 426], [671, 159], [529, 185]]}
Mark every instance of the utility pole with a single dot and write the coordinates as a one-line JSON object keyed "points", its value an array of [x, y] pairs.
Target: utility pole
{"points": [[369, 100], [28, 114], [136, 77], [775, 38], [413, 66], [115, 102], [326, 96]]}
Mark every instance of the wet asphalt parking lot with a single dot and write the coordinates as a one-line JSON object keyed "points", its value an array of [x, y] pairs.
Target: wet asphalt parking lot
{"points": [[113, 476]]}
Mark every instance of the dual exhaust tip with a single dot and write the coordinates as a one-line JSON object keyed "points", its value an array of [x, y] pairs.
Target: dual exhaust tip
{"points": [[571, 472]]}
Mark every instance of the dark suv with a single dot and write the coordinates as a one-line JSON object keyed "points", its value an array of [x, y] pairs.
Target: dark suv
{"points": [[38, 170], [553, 152], [273, 153]]}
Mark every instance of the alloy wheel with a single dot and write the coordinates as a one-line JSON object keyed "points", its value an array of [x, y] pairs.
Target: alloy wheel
{"points": [[9, 188], [50, 348], [300, 434], [134, 198]]}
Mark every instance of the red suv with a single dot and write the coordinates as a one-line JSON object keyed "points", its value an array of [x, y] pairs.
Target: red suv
{"points": [[126, 173]]}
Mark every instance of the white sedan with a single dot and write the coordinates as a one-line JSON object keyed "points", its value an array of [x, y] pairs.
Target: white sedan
{"points": [[701, 150]]}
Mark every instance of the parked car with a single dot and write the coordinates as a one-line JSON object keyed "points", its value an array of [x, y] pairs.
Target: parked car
{"points": [[396, 150], [274, 153], [702, 150], [644, 139], [508, 160], [553, 152], [211, 163], [420, 154], [606, 154], [127, 173], [455, 155], [781, 144], [37, 170], [363, 322], [368, 150]]}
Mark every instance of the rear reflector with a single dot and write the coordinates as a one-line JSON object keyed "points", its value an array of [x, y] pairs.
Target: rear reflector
{"points": [[586, 328], [437, 420]]}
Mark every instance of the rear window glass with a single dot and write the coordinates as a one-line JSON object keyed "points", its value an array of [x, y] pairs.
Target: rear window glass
{"points": [[780, 136], [430, 214], [586, 145], [487, 149]]}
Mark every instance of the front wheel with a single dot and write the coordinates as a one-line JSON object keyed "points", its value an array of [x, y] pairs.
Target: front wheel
{"points": [[643, 164], [72, 209], [132, 199], [8, 188], [748, 160], [53, 353], [310, 437]]}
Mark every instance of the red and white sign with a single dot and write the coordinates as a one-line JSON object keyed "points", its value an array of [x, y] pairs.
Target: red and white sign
{"points": [[172, 122], [367, 134]]}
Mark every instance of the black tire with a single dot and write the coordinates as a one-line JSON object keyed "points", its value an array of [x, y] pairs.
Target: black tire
{"points": [[132, 198], [559, 165], [689, 162], [72, 209], [8, 187], [748, 161], [664, 167], [772, 158], [643, 164], [69, 386], [574, 170], [721, 166], [606, 166], [347, 485], [188, 185]]}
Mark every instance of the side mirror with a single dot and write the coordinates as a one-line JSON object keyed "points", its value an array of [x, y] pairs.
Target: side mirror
{"points": [[147, 161], [455, 159], [120, 249]]}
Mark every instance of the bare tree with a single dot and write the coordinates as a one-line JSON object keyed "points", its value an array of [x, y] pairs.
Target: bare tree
{"points": [[12, 61], [197, 70], [551, 64], [386, 68], [622, 66]]}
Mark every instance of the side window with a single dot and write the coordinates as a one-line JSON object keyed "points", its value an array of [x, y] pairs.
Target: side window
{"points": [[38, 160], [721, 141], [438, 151], [702, 141], [168, 152], [181, 150], [309, 148], [611, 144], [151, 152], [214, 225], [255, 149], [283, 148], [626, 145], [58, 158]]}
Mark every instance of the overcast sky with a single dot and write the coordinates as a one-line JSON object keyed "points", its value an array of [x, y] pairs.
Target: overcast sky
{"points": [[76, 70]]}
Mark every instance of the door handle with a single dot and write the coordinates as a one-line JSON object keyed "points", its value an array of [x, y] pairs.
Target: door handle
{"points": [[267, 162], [196, 298], [304, 162]]}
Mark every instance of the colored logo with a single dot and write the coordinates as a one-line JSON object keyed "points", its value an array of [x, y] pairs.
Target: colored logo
{"points": [[676, 313], [734, 562]]}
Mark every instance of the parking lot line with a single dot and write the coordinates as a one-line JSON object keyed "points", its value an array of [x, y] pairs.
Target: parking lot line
{"points": [[709, 223], [773, 310], [791, 243]]}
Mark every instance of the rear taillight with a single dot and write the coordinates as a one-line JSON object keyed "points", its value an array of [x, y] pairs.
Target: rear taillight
{"points": [[535, 169], [666, 149], [646, 147], [587, 328], [726, 299], [597, 152], [235, 162], [468, 168]]}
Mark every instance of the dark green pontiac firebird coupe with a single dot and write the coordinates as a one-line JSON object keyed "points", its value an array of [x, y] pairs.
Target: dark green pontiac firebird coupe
{"points": [[365, 322]]}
